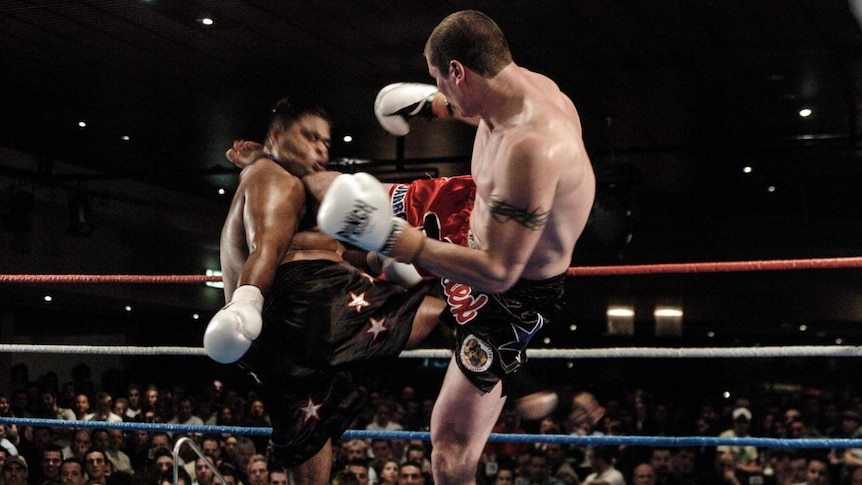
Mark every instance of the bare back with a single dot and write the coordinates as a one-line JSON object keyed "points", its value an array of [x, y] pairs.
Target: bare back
{"points": [[533, 171]]}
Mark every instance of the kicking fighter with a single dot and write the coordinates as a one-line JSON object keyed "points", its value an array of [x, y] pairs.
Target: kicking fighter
{"points": [[535, 189]]}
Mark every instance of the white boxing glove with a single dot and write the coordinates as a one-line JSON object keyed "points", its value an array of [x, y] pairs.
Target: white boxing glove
{"points": [[397, 103], [402, 274], [355, 210], [232, 330]]}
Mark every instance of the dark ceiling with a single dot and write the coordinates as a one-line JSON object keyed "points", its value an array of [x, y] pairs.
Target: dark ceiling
{"points": [[676, 98]]}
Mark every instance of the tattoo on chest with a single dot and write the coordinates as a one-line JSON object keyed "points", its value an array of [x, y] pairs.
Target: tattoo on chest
{"points": [[502, 211]]}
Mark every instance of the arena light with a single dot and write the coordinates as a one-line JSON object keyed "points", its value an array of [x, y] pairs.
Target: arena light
{"points": [[620, 320], [668, 321], [214, 284]]}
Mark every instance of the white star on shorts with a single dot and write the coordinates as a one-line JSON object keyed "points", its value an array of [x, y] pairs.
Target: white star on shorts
{"points": [[376, 327], [358, 301], [310, 410]]}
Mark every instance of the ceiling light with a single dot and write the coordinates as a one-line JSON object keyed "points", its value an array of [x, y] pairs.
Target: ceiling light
{"points": [[803, 328], [747, 169], [195, 316], [347, 139], [805, 112], [206, 21], [48, 298], [221, 191], [770, 189], [128, 308], [125, 138], [82, 124]]}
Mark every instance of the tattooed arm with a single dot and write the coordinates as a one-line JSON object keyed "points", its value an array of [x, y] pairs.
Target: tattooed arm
{"points": [[510, 222]]}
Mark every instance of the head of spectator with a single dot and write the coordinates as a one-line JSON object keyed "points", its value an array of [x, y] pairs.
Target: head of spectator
{"points": [[71, 472], [817, 471], [204, 470], [741, 421], [245, 449], [81, 406], [354, 450], [381, 449], [411, 474], [256, 471], [134, 398], [211, 446], [52, 458], [121, 406], [95, 463], [228, 472], [388, 474], [80, 444], [100, 439], [277, 477], [539, 469], [167, 477], [643, 475], [15, 471], [359, 469], [160, 439], [163, 459], [660, 460], [343, 477]]}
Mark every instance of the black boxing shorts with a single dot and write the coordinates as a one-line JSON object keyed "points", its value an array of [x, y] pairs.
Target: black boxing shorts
{"points": [[320, 319], [492, 331]]}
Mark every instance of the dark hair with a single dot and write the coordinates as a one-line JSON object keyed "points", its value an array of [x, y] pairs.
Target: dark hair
{"points": [[288, 111], [472, 38]]}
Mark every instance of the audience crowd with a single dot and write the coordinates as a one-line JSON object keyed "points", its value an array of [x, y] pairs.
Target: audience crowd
{"points": [[65, 455]]}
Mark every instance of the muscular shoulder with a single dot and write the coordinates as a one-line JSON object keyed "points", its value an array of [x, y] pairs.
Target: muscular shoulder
{"points": [[266, 172]]}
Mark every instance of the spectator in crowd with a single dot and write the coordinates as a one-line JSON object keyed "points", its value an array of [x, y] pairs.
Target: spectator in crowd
{"points": [[359, 469], [167, 477], [256, 472], [228, 472], [643, 475], [538, 470], [388, 472], [95, 463], [71, 472], [120, 460], [746, 458], [817, 471], [79, 446], [602, 462], [411, 474], [163, 460], [204, 473], [82, 407], [134, 401], [722, 473], [52, 458], [277, 477], [15, 471]]}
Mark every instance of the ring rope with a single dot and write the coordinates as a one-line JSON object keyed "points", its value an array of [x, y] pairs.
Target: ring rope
{"points": [[718, 267], [497, 437], [600, 353]]}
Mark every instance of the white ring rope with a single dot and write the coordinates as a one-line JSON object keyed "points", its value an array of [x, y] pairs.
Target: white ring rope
{"points": [[618, 352]]}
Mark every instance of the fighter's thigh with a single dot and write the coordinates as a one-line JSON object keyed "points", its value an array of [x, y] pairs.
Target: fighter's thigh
{"points": [[426, 320]]}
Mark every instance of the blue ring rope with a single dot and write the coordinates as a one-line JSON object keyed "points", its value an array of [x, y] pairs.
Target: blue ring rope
{"points": [[494, 437]]}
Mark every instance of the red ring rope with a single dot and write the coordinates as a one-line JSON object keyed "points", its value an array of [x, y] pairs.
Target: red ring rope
{"points": [[720, 267]]}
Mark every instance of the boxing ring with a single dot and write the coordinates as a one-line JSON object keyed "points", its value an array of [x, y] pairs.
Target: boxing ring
{"points": [[603, 353]]}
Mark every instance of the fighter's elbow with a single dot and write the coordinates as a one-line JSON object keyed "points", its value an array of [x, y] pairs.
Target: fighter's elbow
{"points": [[501, 279]]}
